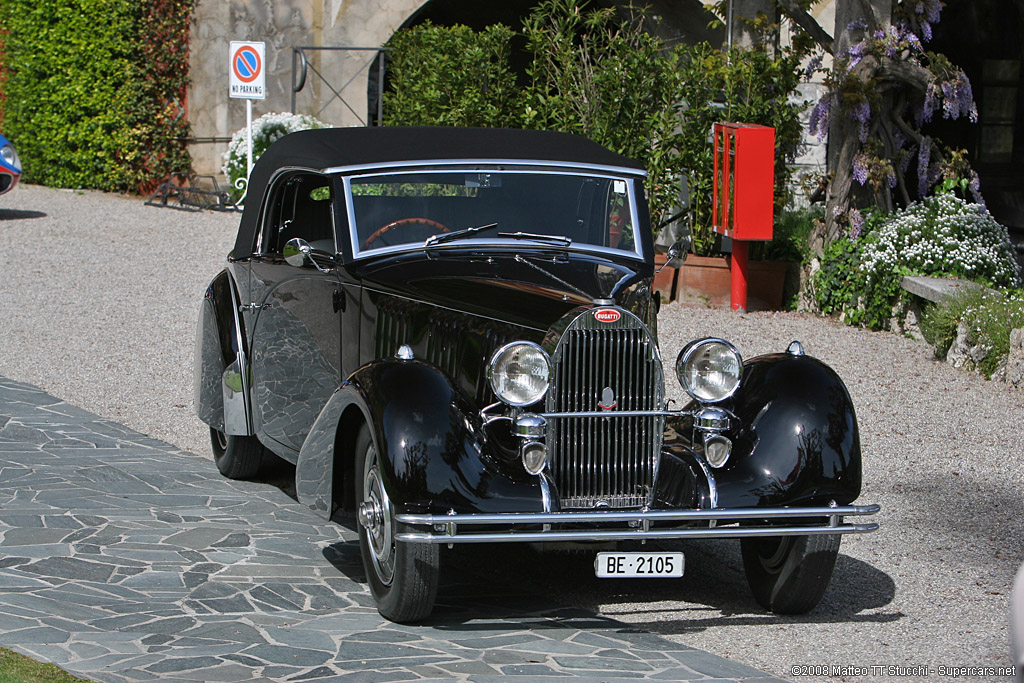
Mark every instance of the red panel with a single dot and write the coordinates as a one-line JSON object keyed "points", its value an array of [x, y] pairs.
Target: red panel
{"points": [[744, 180]]}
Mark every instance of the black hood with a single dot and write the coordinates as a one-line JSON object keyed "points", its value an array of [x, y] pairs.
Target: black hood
{"points": [[529, 288]]}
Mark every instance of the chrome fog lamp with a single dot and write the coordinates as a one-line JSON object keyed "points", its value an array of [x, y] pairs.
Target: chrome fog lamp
{"points": [[717, 449], [535, 457], [709, 369], [519, 373], [530, 426]]}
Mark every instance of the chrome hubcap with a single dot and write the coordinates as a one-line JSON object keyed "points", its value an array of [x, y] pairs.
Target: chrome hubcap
{"points": [[375, 519]]}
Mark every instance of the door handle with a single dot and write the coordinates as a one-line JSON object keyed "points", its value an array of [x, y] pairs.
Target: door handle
{"points": [[339, 300]]}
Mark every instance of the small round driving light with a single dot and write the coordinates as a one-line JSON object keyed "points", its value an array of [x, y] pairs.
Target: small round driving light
{"points": [[519, 373], [717, 450], [535, 456], [709, 370]]}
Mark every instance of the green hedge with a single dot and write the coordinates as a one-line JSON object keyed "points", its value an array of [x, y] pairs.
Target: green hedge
{"points": [[93, 90]]}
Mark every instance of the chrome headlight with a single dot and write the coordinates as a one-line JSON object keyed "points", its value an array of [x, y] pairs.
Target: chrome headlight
{"points": [[709, 370], [10, 156], [520, 373]]}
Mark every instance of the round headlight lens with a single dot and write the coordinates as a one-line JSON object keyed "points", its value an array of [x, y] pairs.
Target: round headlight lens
{"points": [[519, 373], [10, 156], [709, 370]]}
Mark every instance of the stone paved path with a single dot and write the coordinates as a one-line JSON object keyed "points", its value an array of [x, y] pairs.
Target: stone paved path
{"points": [[123, 558]]}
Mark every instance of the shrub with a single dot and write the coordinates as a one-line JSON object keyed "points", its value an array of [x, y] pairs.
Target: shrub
{"points": [[93, 90], [453, 76], [265, 131], [987, 316]]}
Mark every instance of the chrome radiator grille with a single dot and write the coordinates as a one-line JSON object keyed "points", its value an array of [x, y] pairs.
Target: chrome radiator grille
{"points": [[608, 367]]}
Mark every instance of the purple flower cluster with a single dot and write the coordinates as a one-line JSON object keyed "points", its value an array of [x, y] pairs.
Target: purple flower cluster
{"points": [[813, 65], [931, 95], [860, 168], [861, 112], [820, 116], [958, 99], [855, 53]]}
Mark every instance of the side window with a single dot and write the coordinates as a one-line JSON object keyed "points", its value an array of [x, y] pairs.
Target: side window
{"points": [[300, 206]]}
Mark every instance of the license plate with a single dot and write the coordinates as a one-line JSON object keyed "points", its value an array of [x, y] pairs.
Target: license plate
{"points": [[638, 565]]}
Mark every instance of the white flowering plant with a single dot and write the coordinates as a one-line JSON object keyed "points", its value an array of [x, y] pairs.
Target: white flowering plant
{"points": [[942, 235], [265, 131]]}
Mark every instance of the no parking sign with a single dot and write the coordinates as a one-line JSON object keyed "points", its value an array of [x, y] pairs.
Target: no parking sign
{"points": [[247, 77]]}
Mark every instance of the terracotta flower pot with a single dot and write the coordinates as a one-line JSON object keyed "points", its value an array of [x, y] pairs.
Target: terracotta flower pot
{"points": [[706, 281]]}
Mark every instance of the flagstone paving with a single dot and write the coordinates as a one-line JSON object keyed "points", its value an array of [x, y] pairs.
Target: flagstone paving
{"points": [[123, 558]]}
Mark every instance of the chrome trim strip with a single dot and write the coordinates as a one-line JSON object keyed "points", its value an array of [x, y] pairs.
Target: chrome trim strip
{"points": [[635, 534], [474, 164], [640, 519], [242, 362], [732, 514], [638, 524], [618, 413]]}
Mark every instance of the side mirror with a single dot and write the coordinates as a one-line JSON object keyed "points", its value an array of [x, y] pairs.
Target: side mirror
{"points": [[676, 254], [674, 241], [296, 251]]}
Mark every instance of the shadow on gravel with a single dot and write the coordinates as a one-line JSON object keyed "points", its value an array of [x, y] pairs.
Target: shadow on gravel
{"points": [[958, 513], [19, 214]]}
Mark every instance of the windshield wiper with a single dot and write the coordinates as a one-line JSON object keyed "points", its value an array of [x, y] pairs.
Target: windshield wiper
{"points": [[555, 239], [443, 237]]}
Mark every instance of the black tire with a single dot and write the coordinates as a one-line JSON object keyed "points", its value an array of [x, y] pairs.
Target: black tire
{"points": [[403, 577], [237, 457], [789, 574]]}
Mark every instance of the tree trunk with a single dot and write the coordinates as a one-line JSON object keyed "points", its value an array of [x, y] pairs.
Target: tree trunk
{"points": [[843, 141]]}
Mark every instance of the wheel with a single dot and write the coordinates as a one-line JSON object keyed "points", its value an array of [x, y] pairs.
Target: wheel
{"points": [[403, 577], [237, 457], [789, 574], [440, 227]]}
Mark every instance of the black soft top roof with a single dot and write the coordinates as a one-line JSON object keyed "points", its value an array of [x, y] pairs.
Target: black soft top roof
{"points": [[339, 147]]}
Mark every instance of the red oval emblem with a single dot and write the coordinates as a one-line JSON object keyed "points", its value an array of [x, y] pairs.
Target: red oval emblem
{"points": [[607, 315]]}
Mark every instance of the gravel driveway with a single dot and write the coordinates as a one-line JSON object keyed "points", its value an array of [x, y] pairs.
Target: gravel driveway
{"points": [[100, 295]]}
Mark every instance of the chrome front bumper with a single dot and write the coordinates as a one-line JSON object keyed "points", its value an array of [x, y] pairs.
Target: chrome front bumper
{"points": [[632, 526]]}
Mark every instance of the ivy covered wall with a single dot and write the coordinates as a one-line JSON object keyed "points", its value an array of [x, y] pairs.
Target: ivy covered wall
{"points": [[93, 90]]}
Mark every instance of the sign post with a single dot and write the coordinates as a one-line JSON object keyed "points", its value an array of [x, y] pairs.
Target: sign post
{"points": [[247, 80]]}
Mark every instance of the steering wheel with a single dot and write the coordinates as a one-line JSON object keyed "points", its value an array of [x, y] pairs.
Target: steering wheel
{"points": [[399, 223]]}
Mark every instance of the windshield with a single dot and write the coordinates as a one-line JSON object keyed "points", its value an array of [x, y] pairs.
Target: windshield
{"points": [[433, 208]]}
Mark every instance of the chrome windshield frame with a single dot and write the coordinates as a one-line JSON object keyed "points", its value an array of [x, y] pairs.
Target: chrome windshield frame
{"points": [[629, 176]]}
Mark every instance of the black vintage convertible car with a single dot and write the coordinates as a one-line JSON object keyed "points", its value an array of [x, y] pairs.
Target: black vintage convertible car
{"points": [[451, 333]]}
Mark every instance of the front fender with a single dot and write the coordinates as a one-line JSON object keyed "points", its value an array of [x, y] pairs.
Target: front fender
{"points": [[433, 458], [798, 443], [219, 368]]}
